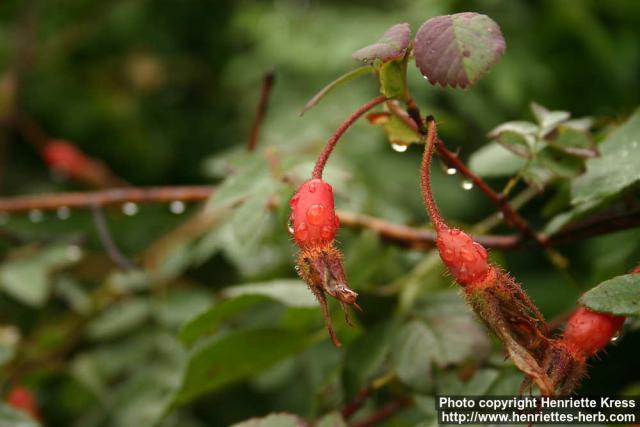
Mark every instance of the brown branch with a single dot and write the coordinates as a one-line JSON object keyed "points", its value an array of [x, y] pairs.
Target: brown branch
{"points": [[413, 119], [411, 237], [105, 197], [267, 85]]}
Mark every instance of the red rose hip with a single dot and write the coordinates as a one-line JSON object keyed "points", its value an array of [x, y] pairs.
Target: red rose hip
{"points": [[313, 216]]}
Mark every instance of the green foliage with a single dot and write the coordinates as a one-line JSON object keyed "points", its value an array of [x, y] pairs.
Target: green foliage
{"points": [[214, 328]]}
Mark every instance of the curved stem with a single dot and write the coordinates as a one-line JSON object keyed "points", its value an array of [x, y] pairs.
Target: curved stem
{"points": [[425, 175], [331, 143]]}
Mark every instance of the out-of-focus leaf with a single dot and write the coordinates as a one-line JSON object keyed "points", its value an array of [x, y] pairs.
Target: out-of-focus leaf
{"points": [[444, 333], [560, 220], [574, 142], [119, 318], [207, 322], [392, 76], [456, 50], [291, 292], [397, 131], [350, 75], [514, 142], [493, 160], [27, 278], [523, 128], [332, 419], [617, 167], [559, 163], [620, 296], [11, 417], [392, 45], [366, 355], [237, 356], [548, 120], [250, 175], [273, 420], [414, 352]]}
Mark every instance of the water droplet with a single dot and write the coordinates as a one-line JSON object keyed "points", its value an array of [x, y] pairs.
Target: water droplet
{"points": [[452, 171], [129, 208], [466, 255], [74, 253], [290, 226], [326, 232], [4, 218], [63, 212], [448, 255], [426, 78], [454, 232], [480, 250], [312, 188], [400, 148], [302, 233], [316, 214], [296, 268], [616, 336], [36, 215], [177, 207], [467, 185]]}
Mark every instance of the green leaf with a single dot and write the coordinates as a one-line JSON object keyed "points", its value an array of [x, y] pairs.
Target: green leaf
{"points": [[617, 167], [573, 141], [514, 142], [10, 417], [620, 296], [119, 318], [457, 50], [415, 347], [366, 355], [392, 77], [392, 45], [290, 292], [332, 419], [272, 420], [548, 120], [235, 357], [397, 131], [350, 75], [208, 321], [26, 278], [559, 163], [493, 160]]}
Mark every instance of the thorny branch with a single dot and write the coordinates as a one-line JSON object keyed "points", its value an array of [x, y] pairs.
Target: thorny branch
{"points": [[411, 237], [451, 159]]}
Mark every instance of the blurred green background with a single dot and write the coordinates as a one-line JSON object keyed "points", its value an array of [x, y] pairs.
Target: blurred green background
{"points": [[165, 91]]}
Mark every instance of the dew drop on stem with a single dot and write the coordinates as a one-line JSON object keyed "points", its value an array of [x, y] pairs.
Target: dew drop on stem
{"points": [[63, 212], [129, 208], [177, 207], [400, 148], [36, 215], [467, 185], [452, 171]]}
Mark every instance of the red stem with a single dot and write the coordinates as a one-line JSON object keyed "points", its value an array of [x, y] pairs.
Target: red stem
{"points": [[425, 175], [331, 143]]}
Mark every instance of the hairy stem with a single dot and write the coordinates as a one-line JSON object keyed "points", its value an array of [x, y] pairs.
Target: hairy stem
{"points": [[425, 175], [331, 143]]}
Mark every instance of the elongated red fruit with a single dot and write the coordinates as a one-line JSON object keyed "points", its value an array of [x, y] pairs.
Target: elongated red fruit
{"points": [[465, 258], [313, 216], [590, 331]]}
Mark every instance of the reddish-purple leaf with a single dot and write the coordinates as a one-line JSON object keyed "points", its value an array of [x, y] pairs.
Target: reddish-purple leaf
{"points": [[456, 50], [392, 45]]}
